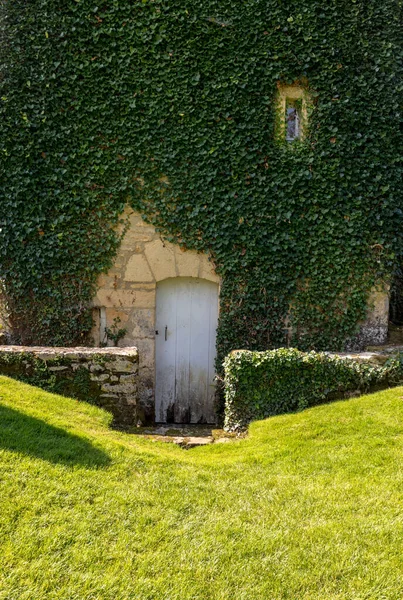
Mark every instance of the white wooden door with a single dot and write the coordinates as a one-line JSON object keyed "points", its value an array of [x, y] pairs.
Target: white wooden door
{"points": [[186, 323]]}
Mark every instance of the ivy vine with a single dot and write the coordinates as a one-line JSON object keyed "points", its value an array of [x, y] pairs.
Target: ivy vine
{"points": [[170, 105]]}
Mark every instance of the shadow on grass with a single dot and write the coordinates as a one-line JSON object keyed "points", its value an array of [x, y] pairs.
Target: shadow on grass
{"points": [[34, 437]]}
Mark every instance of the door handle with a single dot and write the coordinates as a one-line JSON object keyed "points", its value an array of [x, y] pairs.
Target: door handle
{"points": [[166, 332]]}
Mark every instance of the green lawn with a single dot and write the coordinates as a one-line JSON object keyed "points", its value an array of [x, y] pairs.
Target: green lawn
{"points": [[310, 506]]}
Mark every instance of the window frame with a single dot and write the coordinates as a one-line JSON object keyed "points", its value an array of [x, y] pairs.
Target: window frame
{"points": [[295, 96]]}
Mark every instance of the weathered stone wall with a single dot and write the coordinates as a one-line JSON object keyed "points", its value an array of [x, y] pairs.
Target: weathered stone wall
{"points": [[128, 292], [107, 377], [374, 330]]}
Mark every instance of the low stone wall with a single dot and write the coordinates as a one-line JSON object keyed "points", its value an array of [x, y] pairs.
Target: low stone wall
{"points": [[107, 377]]}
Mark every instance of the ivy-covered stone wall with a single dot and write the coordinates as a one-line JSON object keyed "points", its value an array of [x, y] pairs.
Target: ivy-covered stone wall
{"points": [[171, 106], [107, 377]]}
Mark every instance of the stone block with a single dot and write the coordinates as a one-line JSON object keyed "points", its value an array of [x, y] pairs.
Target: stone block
{"points": [[187, 262], [105, 280], [378, 307], [110, 315], [80, 365], [116, 313], [136, 235], [111, 298], [137, 221], [131, 400], [138, 270], [160, 257], [95, 331], [99, 378], [374, 330], [145, 298], [146, 403], [141, 324], [146, 348], [125, 298], [117, 388], [128, 378], [120, 366], [45, 356]]}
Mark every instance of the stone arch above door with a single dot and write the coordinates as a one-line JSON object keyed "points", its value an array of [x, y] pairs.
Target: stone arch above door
{"points": [[143, 259], [161, 260]]}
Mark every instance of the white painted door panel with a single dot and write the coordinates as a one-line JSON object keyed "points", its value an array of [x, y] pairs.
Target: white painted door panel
{"points": [[186, 321]]}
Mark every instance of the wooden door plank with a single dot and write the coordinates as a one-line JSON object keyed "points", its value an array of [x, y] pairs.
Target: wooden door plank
{"points": [[212, 352], [165, 351], [182, 368], [199, 351]]}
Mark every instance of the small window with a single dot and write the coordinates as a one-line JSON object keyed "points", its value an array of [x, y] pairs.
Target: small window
{"points": [[292, 121], [292, 105]]}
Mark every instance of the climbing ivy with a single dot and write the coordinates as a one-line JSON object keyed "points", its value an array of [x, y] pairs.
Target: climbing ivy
{"points": [[169, 105]]}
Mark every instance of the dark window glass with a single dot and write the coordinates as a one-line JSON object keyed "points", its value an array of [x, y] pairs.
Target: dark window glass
{"points": [[292, 124]]}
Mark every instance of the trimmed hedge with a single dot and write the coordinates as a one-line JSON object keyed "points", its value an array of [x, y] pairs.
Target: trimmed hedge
{"points": [[262, 384]]}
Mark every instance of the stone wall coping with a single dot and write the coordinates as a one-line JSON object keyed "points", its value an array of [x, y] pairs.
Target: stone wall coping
{"points": [[128, 351], [352, 355], [374, 354], [375, 358], [377, 355]]}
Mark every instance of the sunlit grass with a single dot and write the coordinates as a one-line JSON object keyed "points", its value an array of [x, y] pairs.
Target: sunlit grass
{"points": [[309, 506]]}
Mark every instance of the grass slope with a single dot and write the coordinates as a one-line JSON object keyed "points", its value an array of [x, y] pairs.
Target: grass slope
{"points": [[310, 506]]}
